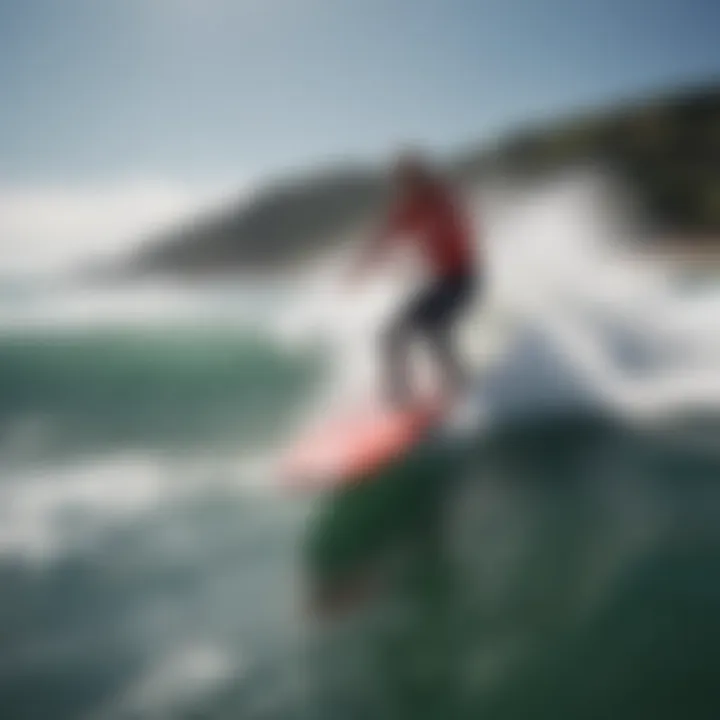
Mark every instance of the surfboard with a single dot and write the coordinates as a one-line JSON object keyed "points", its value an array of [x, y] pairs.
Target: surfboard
{"points": [[353, 446]]}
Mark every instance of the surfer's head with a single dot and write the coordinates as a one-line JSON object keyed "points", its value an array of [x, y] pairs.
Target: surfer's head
{"points": [[413, 173]]}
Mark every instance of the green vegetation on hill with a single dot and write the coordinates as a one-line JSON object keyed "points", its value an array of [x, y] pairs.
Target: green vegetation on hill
{"points": [[279, 225], [667, 149]]}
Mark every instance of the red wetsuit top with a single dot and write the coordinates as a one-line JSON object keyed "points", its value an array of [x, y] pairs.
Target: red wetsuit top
{"points": [[441, 229]]}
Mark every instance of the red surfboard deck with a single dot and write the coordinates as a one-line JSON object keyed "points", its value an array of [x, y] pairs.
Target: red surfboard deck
{"points": [[348, 448]]}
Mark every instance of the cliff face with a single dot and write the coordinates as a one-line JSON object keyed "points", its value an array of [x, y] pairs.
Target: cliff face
{"points": [[667, 149], [282, 224]]}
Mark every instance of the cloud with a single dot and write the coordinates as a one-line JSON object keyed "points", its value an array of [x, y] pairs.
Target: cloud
{"points": [[55, 227]]}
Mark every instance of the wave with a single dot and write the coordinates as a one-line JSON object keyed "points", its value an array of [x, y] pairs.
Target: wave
{"points": [[597, 327], [573, 320], [570, 323], [135, 386]]}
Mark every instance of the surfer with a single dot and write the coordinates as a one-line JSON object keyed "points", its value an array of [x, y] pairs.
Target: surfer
{"points": [[426, 210]]}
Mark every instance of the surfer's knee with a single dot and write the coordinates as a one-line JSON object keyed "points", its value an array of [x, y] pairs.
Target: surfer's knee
{"points": [[439, 338], [394, 338]]}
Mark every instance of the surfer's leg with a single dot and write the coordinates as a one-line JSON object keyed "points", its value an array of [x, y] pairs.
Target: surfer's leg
{"points": [[454, 374], [438, 323], [395, 360], [396, 342]]}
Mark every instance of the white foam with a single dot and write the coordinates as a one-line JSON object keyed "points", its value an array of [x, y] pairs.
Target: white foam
{"points": [[594, 326], [176, 681], [45, 511], [48, 511], [568, 318]]}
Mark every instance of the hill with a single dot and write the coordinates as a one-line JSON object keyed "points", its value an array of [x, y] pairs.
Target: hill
{"points": [[667, 149]]}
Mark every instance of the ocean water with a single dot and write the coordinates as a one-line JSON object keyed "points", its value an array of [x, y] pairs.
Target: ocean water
{"points": [[554, 556]]}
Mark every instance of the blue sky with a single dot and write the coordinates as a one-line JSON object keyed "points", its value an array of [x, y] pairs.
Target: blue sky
{"points": [[207, 89], [212, 93]]}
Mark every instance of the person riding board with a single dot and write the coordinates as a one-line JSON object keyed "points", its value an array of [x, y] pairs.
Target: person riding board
{"points": [[427, 210]]}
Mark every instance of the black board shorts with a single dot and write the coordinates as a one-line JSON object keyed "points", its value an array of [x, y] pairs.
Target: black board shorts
{"points": [[439, 305]]}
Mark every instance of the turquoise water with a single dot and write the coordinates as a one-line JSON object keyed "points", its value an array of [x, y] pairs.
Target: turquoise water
{"points": [[558, 561], [150, 387], [564, 567], [143, 562]]}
